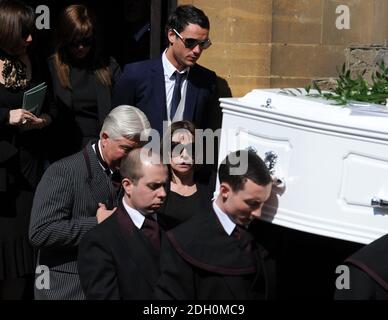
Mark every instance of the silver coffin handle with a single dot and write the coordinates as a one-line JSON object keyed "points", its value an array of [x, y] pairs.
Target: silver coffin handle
{"points": [[379, 203], [278, 182]]}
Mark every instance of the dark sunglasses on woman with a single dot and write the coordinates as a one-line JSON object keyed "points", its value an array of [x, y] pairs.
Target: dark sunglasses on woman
{"points": [[85, 42], [177, 148], [26, 32]]}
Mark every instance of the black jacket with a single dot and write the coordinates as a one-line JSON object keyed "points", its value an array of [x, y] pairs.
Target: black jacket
{"points": [[200, 261], [116, 261], [368, 270], [66, 136]]}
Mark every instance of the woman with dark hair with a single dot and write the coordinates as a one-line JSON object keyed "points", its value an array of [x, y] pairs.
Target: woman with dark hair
{"points": [[20, 147], [191, 186], [83, 78]]}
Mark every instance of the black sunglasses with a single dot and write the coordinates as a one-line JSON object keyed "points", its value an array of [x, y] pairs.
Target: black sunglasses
{"points": [[192, 43], [85, 42], [177, 148], [26, 32]]}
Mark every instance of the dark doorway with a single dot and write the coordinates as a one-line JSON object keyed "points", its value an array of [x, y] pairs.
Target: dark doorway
{"points": [[132, 30]]}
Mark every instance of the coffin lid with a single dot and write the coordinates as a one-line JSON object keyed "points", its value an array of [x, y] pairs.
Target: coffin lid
{"points": [[354, 118]]}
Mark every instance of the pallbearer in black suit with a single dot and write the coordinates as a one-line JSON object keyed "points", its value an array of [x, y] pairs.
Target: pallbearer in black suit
{"points": [[119, 259], [367, 273], [214, 256], [77, 193]]}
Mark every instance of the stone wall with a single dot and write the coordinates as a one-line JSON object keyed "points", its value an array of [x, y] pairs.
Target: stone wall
{"points": [[282, 43]]}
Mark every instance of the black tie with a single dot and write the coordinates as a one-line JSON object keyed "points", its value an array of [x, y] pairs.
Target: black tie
{"points": [[244, 238], [151, 229], [116, 180], [176, 96]]}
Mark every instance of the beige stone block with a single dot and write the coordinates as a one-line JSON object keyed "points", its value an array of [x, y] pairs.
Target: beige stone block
{"points": [[361, 22], [217, 12], [182, 2], [297, 21], [250, 60], [211, 5], [255, 6], [380, 22], [218, 23], [306, 60], [217, 58], [250, 21], [289, 82], [240, 86], [282, 43]]}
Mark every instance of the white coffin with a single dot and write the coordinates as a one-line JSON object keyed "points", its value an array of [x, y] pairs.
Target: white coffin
{"points": [[332, 161]]}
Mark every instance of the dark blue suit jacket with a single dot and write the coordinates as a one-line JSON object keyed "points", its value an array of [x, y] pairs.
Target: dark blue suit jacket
{"points": [[142, 85]]}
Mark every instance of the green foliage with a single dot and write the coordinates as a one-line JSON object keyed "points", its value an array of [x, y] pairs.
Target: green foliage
{"points": [[357, 89]]}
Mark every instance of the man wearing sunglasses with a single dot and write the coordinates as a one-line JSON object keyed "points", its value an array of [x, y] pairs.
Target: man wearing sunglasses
{"points": [[174, 87]]}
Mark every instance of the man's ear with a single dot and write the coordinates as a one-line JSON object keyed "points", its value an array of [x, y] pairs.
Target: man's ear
{"points": [[225, 190], [172, 37], [104, 138], [127, 185]]}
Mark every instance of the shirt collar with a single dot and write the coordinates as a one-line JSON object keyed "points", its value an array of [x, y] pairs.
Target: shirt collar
{"points": [[225, 220], [168, 67], [136, 216], [99, 148]]}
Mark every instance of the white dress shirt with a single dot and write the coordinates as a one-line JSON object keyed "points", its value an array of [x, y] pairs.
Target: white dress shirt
{"points": [[225, 220], [99, 148], [169, 81], [136, 216]]}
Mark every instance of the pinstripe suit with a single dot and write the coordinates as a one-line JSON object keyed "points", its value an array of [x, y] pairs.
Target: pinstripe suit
{"points": [[64, 209]]}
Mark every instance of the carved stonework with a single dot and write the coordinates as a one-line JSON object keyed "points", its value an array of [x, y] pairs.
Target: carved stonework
{"points": [[365, 57]]}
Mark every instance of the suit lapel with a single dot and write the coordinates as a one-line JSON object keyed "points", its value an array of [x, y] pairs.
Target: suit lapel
{"points": [[158, 92], [99, 184], [191, 96], [141, 252]]}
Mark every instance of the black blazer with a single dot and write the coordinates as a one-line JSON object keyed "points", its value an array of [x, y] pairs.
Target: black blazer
{"points": [[142, 85], [200, 261], [368, 271], [116, 261], [63, 128]]}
